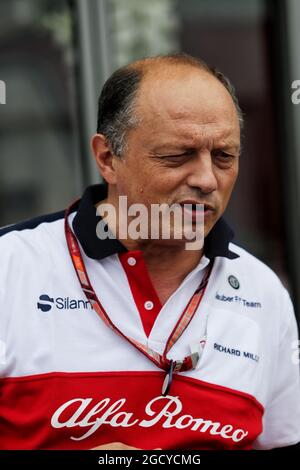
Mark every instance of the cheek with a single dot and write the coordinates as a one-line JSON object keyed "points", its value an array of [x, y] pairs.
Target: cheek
{"points": [[132, 182], [226, 182], [168, 179], [134, 173], [122, 180]]}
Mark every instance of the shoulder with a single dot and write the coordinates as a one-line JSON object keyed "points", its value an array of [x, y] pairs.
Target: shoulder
{"points": [[254, 268], [30, 224], [30, 238], [261, 282]]}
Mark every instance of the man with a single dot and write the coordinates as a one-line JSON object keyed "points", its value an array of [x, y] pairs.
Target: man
{"points": [[125, 342]]}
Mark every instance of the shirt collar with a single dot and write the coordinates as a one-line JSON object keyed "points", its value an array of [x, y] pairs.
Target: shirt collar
{"points": [[86, 219]]}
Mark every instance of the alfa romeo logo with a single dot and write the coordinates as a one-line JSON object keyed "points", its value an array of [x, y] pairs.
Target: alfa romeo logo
{"points": [[234, 282]]}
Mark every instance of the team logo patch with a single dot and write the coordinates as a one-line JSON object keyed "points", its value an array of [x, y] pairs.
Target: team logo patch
{"points": [[234, 282], [45, 303]]}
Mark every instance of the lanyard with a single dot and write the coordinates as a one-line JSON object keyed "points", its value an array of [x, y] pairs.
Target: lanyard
{"points": [[161, 360]]}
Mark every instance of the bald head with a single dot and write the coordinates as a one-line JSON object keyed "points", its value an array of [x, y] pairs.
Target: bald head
{"points": [[119, 107]]}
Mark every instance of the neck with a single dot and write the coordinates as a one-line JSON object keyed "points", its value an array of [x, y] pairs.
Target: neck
{"points": [[167, 265], [173, 261]]}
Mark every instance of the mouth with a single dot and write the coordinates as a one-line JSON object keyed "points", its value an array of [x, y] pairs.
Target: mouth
{"points": [[195, 209], [196, 206]]}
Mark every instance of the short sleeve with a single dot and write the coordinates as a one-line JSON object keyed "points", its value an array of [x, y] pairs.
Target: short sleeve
{"points": [[281, 420]]}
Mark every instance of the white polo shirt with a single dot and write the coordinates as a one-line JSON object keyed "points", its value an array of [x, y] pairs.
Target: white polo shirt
{"points": [[69, 382]]}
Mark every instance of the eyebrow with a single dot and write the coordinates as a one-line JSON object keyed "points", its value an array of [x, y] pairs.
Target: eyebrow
{"points": [[166, 147], [231, 145]]}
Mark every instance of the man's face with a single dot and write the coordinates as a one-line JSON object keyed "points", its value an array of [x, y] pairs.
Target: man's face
{"points": [[186, 148]]}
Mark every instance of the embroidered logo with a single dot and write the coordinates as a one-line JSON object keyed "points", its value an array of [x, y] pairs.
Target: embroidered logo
{"points": [[45, 303], [62, 303], [234, 282]]}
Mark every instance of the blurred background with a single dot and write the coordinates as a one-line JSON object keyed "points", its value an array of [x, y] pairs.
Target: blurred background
{"points": [[56, 54]]}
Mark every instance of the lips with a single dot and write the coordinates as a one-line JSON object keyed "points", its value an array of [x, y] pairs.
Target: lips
{"points": [[193, 203]]}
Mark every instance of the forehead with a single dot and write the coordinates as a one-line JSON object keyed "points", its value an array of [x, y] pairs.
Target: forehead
{"points": [[187, 103]]}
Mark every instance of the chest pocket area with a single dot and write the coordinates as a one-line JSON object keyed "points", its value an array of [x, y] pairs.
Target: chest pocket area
{"points": [[232, 356]]}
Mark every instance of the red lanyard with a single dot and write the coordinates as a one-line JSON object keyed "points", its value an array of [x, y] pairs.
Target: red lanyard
{"points": [[161, 360]]}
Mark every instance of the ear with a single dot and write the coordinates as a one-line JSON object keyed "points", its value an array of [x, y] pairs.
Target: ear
{"points": [[104, 158]]}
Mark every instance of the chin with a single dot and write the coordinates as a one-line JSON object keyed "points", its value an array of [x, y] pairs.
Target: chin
{"points": [[210, 225]]}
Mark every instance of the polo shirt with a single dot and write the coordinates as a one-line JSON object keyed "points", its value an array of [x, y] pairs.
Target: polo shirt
{"points": [[69, 382]]}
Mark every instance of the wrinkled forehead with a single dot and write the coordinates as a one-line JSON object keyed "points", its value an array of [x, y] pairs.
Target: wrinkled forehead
{"points": [[183, 96], [189, 103]]}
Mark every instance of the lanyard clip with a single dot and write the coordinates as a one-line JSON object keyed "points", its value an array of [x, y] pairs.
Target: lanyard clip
{"points": [[168, 379]]}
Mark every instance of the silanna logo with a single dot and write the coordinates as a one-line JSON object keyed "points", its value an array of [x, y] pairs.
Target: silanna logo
{"points": [[46, 303]]}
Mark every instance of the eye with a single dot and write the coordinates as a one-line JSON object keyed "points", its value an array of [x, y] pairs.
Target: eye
{"points": [[175, 158], [221, 154], [172, 160], [222, 157]]}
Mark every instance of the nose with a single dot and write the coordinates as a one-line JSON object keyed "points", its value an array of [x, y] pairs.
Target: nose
{"points": [[202, 173]]}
